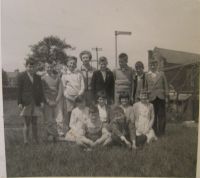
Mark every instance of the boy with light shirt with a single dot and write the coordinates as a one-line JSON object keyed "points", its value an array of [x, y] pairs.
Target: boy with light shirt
{"points": [[53, 108], [73, 86]]}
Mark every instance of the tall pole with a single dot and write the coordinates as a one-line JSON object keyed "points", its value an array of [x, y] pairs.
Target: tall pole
{"points": [[115, 49], [116, 34], [97, 57]]}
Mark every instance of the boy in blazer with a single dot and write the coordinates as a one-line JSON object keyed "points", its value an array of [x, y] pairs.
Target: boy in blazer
{"points": [[103, 80], [158, 88], [30, 97]]}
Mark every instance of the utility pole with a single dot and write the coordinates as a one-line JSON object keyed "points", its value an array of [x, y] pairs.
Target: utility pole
{"points": [[97, 57]]}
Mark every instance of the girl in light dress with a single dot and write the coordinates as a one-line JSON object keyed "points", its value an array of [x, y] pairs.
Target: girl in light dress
{"points": [[143, 118]]}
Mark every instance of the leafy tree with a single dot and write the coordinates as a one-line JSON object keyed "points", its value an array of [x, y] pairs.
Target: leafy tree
{"points": [[50, 48]]}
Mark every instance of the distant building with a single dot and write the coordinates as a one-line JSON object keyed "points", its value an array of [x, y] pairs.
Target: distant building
{"points": [[12, 78], [181, 68], [182, 72]]}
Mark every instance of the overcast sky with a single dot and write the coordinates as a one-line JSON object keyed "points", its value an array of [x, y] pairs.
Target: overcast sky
{"points": [[90, 23]]}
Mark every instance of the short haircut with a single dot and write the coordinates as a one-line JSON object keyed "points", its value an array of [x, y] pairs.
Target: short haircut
{"points": [[69, 58], [124, 95], [123, 56], [103, 59], [85, 52], [30, 61], [139, 64], [93, 109], [116, 109], [101, 94]]}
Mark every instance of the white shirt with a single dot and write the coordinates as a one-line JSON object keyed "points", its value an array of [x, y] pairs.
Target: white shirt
{"points": [[104, 75], [30, 77], [102, 113], [78, 120]]}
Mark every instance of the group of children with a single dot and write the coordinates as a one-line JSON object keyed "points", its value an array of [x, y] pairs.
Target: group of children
{"points": [[89, 107]]}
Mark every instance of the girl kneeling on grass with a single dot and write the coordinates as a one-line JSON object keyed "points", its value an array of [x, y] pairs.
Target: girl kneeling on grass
{"points": [[128, 111], [118, 127], [142, 120], [78, 119]]}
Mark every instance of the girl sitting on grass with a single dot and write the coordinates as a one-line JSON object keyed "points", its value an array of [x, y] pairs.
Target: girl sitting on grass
{"points": [[77, 123], [142, 121]]}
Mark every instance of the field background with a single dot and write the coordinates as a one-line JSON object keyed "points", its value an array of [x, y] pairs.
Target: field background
{"points": [[174, 154]]}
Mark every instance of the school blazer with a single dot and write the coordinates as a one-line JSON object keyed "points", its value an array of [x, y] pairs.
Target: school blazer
{"points": [[98, 83], [29, 92], [158, 87]]}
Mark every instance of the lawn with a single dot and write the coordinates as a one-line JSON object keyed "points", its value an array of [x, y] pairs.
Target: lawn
{"points": [[174, 154]]}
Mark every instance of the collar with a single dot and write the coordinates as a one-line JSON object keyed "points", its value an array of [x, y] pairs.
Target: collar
{"points": [[83, 68], [28, 73], [103, 107], [140, 76], [124, 68], [71, 72], [150, 72]]}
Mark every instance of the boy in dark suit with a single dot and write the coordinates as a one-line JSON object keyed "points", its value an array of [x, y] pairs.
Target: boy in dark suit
{"points": [[103, 80], [140, 82], [30, 97]]}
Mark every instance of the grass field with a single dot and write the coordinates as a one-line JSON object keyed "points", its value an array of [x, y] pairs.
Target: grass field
{"points": [[172, 155]]}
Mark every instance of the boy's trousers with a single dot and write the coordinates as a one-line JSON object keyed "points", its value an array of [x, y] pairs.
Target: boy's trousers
{"points": [[53, 117], [160, 116]]}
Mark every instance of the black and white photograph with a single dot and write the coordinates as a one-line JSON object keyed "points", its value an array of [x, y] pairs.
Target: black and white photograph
{"points": [[100, 88]]}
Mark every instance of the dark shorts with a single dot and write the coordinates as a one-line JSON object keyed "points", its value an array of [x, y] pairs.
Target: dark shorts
{"points": [[94, 136], [140, 140]]}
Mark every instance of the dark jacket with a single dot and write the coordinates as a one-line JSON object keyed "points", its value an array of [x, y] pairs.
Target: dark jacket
{"points": [[98, 84], [144, 85], [29, 92]]}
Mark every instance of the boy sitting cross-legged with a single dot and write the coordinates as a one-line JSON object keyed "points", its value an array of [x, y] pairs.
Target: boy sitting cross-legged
{"points": [[96, 130]]}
